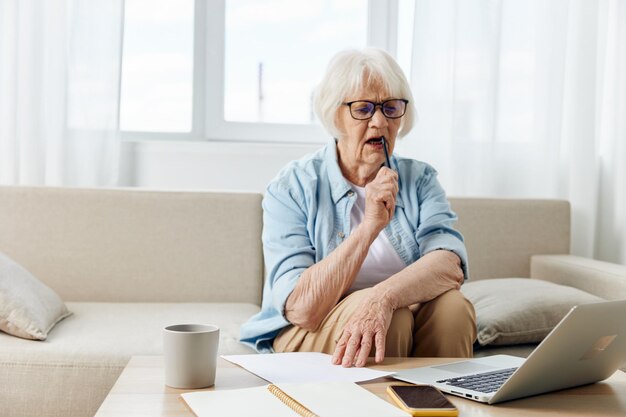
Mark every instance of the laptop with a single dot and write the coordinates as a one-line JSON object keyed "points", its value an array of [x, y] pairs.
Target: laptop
{"points": [[587, 346]]}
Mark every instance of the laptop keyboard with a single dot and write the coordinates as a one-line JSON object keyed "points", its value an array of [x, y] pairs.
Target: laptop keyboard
{"points": [[484, 382]]}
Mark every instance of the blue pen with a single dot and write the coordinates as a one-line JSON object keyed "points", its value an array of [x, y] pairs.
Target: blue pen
{"points": [[386, 153]]}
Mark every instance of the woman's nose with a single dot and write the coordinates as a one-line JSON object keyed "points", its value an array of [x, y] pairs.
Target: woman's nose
{"points": [[378, 119]]}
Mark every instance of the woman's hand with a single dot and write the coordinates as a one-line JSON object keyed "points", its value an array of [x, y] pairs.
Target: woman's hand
{"points": [[367, 327], [427, 278], [380, 199]]}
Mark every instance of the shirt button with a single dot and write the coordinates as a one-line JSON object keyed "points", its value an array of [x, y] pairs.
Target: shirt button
{"points": [[350, 193], [341, 235]]}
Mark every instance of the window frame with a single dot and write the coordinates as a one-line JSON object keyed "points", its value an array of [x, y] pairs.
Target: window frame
{"points": [[208, 122]]}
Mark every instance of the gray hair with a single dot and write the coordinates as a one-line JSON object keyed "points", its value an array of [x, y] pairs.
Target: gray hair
{"points": [[349, 71]]}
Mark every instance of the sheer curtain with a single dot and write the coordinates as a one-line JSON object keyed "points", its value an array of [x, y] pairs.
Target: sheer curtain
{"points": [[59, 89], [527, 99]]}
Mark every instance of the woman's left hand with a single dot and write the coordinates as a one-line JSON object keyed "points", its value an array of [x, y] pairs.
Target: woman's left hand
{"points": [[367, 326]]}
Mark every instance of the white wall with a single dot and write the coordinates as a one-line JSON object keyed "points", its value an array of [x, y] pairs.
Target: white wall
{"points": [[205, 165]]}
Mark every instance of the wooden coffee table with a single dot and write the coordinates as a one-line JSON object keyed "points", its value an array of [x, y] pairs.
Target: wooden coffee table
{"points": [[141, 391]]}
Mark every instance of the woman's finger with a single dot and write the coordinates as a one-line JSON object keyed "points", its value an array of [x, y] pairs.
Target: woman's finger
{"points": [[340, 348], [391, 208], [379, 339], [353, 345], [364, 350]]}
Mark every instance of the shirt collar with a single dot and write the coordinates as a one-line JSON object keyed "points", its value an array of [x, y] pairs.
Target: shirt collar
{"points": [[338, 183]]}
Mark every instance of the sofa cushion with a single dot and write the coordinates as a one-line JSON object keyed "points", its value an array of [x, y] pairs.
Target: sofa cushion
{"points": [[113, 332], [522, 350], [88, 350], [513, 311], [28, 307]]}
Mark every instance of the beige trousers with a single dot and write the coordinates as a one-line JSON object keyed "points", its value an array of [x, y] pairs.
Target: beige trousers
{"points": [[442, 327]]}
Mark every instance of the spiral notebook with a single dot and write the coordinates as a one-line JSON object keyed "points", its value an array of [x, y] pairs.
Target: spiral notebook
{"points": [[329, 399]]}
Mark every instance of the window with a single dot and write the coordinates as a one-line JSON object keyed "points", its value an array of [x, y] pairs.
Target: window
{"points": [[275, 53], [237, 70], [157, 66]]}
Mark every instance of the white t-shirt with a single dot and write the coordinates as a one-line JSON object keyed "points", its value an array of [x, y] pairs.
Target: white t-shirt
{"points": [[382, 260]]}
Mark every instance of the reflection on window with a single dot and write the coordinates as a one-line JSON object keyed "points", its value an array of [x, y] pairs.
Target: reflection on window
{"points": [[276, 51]]}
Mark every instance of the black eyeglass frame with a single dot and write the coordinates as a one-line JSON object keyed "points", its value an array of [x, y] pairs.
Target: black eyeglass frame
{"points": [[380, 104]]}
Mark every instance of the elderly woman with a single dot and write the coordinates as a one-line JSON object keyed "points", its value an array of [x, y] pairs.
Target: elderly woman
{"points": [[361, 257]]}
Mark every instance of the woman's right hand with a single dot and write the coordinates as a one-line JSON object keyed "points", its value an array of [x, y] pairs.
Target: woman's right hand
{"points": [[366, 329], [380, 200]]}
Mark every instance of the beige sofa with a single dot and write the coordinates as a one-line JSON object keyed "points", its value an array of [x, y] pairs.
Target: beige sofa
{"points": [[129, 262]]}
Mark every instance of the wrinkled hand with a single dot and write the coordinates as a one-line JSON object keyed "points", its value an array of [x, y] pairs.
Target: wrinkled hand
{"points": [[380, 199], [368, 324]]}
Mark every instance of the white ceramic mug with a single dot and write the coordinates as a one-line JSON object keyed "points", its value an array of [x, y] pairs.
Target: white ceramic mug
{"points": [[190, 352]]}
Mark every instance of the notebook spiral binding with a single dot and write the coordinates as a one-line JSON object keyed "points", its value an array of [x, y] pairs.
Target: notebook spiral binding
{"points": [[290, 402]]}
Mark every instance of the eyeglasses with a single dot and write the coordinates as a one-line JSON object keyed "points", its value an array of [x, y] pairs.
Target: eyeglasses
{"points": [[363, 109]]}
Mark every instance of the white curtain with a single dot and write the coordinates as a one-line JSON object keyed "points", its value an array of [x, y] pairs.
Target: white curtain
{"points": [[59, 89], [527, 98]]}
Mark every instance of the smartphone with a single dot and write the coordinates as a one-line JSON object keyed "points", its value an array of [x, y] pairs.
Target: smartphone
{"points": [[422, 400]]}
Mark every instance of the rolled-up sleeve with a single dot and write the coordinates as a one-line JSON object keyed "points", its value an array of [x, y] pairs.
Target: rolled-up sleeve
{"points": [[435, 230], [287, 246]]}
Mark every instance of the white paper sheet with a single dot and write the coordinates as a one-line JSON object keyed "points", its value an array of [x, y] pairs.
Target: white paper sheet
{"points": [[301, 367], [256, 401], [334, 399], [341, 399]]}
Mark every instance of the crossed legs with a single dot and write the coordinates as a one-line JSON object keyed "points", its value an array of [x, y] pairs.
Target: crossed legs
{"points": [[442, 327]]}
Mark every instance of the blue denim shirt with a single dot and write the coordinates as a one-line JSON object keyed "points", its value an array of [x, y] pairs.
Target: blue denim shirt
{"points": [[306, 215]]}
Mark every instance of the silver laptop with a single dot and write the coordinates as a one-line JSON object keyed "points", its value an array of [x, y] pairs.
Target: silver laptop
{"points": [[587, 346]]}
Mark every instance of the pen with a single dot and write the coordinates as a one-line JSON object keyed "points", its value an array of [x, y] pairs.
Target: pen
{"points": [[386, 153]]}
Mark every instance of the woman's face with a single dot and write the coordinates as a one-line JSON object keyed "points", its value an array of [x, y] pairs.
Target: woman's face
{"points": [[359, 148]]}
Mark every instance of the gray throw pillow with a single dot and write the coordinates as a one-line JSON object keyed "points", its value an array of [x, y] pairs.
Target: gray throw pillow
{"points": [[511, 311], [28, 308]]}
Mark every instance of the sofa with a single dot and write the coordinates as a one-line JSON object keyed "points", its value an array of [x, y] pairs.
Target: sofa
{"points": [[128, 262]]}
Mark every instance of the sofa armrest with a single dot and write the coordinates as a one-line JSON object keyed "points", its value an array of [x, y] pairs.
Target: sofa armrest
{"points": [[604, 279]]}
